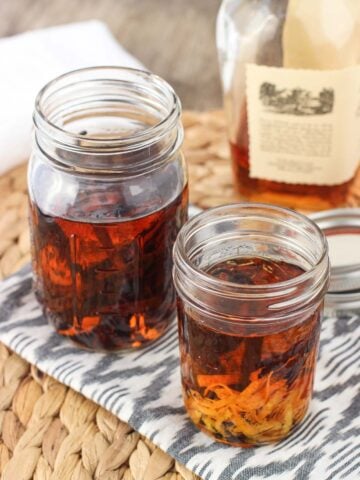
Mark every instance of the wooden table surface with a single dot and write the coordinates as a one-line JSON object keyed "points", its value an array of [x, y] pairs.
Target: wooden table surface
{"points": [[174, 38]]}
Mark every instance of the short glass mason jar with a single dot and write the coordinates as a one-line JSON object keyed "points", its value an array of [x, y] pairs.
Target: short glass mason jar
{"points": [[251, 280], [108, 195]]}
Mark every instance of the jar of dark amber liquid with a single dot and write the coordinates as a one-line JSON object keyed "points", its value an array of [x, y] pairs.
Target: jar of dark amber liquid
{"points": [[108, 195], [290, 73], [251, 280]]}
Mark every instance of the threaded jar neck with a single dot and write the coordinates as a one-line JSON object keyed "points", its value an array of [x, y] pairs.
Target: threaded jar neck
{"points": [[251, 230], [108, 120]]}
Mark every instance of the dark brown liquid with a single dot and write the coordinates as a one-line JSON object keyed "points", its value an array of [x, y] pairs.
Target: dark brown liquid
{"points": [[305, 197], [107, 286], [248, 389]]}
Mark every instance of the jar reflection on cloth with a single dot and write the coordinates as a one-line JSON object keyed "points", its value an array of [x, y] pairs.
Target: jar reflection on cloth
{"points": [[108, 195], [248, 351]]}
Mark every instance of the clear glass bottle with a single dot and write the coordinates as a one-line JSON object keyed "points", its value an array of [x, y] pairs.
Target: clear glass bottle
{"points": [[108, 195], [286, 120], [251, 281]]}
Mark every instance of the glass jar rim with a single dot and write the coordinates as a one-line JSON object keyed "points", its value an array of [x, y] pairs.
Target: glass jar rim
{"points": [[171, 118], [212, 282], [128, 91]]}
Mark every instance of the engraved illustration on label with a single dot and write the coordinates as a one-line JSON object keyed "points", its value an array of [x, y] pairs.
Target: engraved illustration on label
{"points": [[296, 101], [303, 124]]}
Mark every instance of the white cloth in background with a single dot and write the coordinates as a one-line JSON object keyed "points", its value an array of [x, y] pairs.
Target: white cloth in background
{"points": [[30, 60]]}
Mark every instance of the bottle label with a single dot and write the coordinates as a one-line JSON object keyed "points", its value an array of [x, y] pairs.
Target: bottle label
{"points": [[304, 125]]}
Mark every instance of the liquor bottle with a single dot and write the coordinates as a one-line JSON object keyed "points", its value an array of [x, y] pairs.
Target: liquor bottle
{"points": [[291, 83]]}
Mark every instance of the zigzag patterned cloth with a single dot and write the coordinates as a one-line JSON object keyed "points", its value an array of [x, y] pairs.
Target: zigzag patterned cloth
{"points": [[143, 389]]}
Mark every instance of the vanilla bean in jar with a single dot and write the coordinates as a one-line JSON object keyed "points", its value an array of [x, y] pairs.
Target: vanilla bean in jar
{"points": [[108, 195], [251, 280]]}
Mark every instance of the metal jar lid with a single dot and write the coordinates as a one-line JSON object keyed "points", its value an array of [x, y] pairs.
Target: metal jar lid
{"points": [[342, 229]]}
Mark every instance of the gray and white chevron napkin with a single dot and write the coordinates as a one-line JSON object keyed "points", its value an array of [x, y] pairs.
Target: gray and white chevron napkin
{"points": [[143, 389]]}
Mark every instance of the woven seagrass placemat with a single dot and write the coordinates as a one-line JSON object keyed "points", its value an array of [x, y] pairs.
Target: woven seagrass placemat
{"points": [[50, 432]]}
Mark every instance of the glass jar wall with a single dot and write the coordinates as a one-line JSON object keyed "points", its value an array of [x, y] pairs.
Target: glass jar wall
{"points": [[108, 195], [251, 280]]}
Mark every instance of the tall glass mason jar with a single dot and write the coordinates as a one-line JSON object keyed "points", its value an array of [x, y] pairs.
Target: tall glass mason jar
{"points": [[251, 280], [290, 73], [108, 195]]}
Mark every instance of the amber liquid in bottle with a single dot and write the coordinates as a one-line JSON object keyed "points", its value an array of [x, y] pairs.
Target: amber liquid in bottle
{"points": [[107, 286], [246, 389], [297, 196]]}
